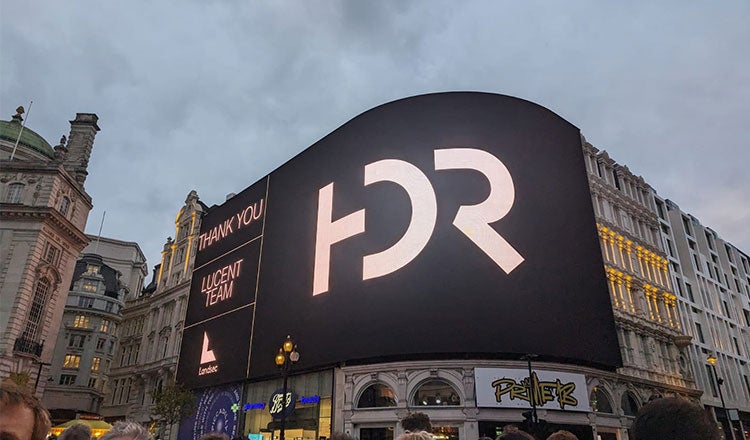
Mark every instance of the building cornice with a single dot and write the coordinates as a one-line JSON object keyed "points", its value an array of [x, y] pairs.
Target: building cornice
{"points": [[50, 216]]}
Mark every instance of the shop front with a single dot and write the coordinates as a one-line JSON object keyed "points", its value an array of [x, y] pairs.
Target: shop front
{"points": [[308, 413]]}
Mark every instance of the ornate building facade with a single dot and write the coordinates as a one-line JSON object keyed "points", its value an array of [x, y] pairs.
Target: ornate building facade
{"points": [[43, 212], [88, 336], [151, 328]]}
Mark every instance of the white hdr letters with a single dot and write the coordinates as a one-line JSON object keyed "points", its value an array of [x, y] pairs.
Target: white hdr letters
{"points": [[472, 220]]}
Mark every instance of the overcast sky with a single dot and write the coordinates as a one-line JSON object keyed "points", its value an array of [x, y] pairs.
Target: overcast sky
{"points": [[212, 96]]}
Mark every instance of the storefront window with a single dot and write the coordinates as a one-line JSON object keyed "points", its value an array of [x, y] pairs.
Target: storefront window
{"points": [[311, 418], [436, 393], [376, 433], [377, 396]]}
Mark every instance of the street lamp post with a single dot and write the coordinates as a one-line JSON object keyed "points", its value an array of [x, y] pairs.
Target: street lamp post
{"points": [[286, 356], [532, 400], [711, 359]]}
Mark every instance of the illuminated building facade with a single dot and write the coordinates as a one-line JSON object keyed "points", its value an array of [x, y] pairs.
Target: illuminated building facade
{"points": [[712, 279], [43, 211], [87, 340], [151, 328]]}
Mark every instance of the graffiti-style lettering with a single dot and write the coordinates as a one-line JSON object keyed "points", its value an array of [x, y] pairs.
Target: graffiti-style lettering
{"points": [[542, 392]]}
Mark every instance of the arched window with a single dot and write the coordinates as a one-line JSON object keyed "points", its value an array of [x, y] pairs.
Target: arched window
{"points": [[629, 404], [436, 392], [36, 312], [600, 401], [13, 193], [377, 396], [64, 205]]}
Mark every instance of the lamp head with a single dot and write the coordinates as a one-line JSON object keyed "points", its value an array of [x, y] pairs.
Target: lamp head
{"points": [[288, 344], [294, 355], [280, 358], [711, 359]]}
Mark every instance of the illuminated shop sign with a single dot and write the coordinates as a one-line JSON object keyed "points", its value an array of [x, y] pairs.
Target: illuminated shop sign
{"points": [[509, 388], [279, 406], [471, 208]]}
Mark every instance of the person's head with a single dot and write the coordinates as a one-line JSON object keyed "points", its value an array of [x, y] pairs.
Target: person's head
{"points": [[516, 435], [127, 431], [78, 431], [510, 428], [415, 435], [562, 435], [21, 414], [214, 436], [416, 422], [673, 418]]}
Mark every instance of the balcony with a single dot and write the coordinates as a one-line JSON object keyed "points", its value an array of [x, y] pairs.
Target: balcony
{"points": [[27, 346]]}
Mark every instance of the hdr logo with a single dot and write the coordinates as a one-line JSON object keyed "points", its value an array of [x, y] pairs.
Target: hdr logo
{"points": [[469, 218], [207, 357]]}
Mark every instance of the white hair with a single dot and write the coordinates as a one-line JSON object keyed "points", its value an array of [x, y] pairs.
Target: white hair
{"points": [[127, 431]]}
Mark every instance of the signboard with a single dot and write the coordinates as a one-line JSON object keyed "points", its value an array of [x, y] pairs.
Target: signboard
{"points": [[433, 226], [509, 388], [280, 407]]}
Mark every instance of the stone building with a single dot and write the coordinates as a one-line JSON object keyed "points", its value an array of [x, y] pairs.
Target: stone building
{"points": [[712, 282], [88, 335], [151, 328], [43, 211]]}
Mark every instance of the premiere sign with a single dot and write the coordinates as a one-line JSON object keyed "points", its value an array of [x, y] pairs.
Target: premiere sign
{"points": [[433, 226], [509, 388]]}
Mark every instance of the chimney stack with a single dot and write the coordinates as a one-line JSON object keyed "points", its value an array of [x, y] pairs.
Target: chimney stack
{"points": [[80, 142]]}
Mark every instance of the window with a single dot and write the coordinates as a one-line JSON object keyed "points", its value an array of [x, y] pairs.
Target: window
{"points": [[600, 401], [89, 285], [92, 382], [76, 341], [67, 379], [100, 343], [165, 343], [109, 306], [435, 392], [13, 193], [104, 326], [689, 289], [699, 332], [36, 311], [85, 302], [95, 364], [712, 381], [51, 254], [64, 205], [377, 396], [629, 404], [92, 268], [72, 361], [81, 321]]}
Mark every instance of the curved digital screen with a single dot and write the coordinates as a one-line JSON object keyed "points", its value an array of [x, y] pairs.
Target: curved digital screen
{"points": [[440, 225]]}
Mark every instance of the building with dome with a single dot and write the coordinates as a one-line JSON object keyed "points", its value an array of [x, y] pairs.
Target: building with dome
{"points": [[88, 336], [43, 211]]}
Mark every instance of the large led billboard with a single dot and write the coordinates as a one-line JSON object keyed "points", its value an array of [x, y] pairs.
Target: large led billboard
{"points": [[443, 225]]}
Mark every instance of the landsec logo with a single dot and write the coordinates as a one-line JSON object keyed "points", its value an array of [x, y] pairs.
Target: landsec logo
{"points": [[441, 225]]}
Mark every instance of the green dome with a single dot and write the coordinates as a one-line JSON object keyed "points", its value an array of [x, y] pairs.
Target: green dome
{"points": [[9, 132]]}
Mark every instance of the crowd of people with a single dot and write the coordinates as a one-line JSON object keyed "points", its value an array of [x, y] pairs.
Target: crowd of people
{"points": [[22, 417]]}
